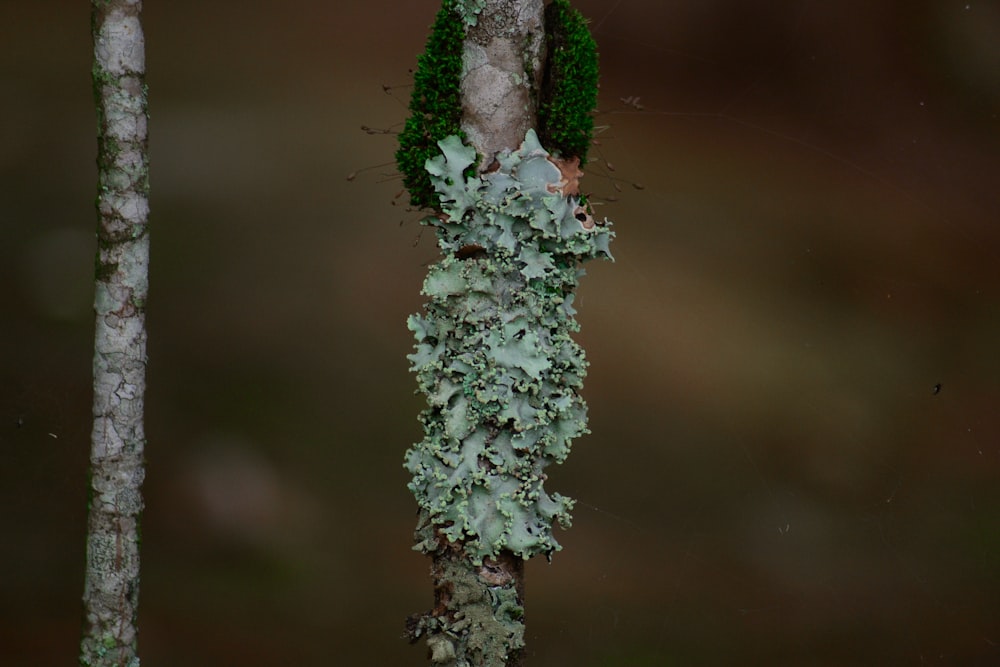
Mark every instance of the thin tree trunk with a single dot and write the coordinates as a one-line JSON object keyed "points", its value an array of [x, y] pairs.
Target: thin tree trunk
{"points": [[502, 57], [494, 352], [111, 588]]}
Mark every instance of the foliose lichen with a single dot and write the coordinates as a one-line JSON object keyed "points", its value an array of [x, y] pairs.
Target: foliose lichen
{"points": [[569, 84], [494, 353], [469, 10], [477, 616], [435, 105]]}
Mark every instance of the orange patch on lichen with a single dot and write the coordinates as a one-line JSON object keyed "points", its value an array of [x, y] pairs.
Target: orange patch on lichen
{"points": [[570, 175]]}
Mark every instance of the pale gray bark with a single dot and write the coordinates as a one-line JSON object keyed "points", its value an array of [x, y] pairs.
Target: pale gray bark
{"points": [[502, 69], [111, 589]]}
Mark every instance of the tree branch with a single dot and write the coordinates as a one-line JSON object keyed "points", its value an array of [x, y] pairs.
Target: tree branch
{"points": [[502, 62], [111, 588], [494, 356]]}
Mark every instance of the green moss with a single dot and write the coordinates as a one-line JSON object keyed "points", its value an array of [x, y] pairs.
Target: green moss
{"points": [[435, 106], [569, 86]]}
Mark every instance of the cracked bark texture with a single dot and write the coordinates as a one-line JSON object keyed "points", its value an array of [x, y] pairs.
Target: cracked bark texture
{"points": [[111, 587], [501, 75]]}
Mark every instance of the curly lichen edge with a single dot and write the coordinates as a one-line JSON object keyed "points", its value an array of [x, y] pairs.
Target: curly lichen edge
{"points": [[495, 355]]}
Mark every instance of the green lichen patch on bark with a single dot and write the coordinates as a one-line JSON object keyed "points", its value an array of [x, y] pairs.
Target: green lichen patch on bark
{"points": [[478, 616]]}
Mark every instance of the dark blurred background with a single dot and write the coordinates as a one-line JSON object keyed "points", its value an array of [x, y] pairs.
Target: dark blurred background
{"points": [[794, 386]]}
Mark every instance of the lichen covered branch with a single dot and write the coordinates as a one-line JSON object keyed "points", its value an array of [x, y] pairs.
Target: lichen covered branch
{"points": [[495, 356], [111, 588]]}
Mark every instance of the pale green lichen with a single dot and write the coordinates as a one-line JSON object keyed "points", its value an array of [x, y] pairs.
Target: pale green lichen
{"points": [[478, 620], [494, 352], [469, 10]]}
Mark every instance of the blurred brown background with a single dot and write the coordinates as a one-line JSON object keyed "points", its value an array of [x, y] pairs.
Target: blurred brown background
{"points": [[771, 478]]}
